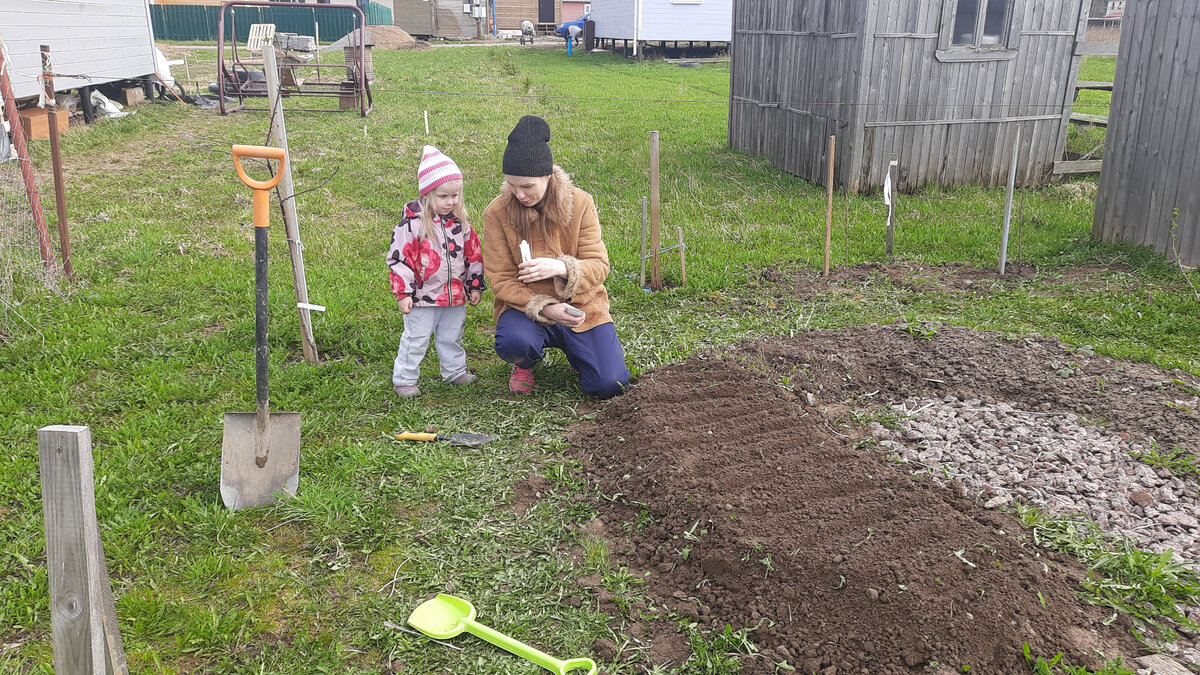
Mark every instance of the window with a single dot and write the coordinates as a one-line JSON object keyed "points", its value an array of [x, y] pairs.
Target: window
{"points": [[981, 23], [979, 30]]}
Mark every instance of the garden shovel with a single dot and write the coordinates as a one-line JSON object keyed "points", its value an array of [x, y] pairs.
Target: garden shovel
{"points": [[446, 616], [260, 452]]}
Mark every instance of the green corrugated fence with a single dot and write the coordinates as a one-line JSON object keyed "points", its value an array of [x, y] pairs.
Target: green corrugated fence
{"points": [[199, 22]]}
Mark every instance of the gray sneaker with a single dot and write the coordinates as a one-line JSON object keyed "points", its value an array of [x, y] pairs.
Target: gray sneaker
{"points": [[464, 379], [408, 391]]}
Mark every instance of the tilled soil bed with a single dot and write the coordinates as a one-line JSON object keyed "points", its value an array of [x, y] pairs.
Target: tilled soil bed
{"points": [[739, 487]]}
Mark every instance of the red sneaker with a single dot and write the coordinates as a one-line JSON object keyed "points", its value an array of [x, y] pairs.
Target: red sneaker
{"points": [[521, 380]]}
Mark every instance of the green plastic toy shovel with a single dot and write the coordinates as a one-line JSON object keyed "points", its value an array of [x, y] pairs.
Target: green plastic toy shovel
{"points": [[446, 616]]}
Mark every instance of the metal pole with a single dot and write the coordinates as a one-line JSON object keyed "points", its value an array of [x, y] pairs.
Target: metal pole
{"points": [[18, 135], [60, 199], [642, 257], [1008, 202], [655, 272], [287, 197], [829, 206], [682, 262]]}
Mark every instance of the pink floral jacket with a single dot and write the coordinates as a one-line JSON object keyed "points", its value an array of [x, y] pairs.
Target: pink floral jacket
{"points": [[438, 272]]}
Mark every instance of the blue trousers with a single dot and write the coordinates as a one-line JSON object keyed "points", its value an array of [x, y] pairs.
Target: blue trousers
{"points": [[596, 353]]}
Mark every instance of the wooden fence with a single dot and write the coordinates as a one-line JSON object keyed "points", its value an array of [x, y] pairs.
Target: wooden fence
{"points": [[1148, 185]]}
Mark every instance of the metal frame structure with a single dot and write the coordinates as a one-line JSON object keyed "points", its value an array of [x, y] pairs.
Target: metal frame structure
{"points": [[229, 84]]}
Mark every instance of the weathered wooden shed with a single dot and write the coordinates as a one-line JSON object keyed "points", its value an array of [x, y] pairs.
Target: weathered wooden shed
{"points": [[941, 85], [108, 40], [1152, 149], [663, 20]]}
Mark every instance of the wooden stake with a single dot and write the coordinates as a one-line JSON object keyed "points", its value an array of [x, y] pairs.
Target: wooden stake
{"points": [[642, 275], [426, 122], [83, 617], [1008, 202], [829, 206], [682, 262], [287, 198], [60, 192], [655, 272]]}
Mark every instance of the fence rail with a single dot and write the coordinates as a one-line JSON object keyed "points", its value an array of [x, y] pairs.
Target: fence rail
{"points": [[199, 22]]}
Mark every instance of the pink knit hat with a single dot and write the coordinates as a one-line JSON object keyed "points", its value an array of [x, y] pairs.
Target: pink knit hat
{"points": [[436, 168]]}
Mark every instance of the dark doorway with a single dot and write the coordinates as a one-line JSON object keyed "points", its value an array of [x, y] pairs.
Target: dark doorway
{"points": [[545, 11]]}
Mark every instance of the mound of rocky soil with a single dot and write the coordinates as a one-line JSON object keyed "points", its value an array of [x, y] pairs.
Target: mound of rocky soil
{"points": [[738, 486]]}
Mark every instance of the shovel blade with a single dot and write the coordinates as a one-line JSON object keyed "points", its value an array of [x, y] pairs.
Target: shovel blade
{"points": [[243, 484]]}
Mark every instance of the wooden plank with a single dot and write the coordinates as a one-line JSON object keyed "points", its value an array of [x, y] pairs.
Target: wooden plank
{"points": [[1098, 120], [1142, 185], [1077, 166], [1156, 231], [1178, 167], [1097, 48], [1093, 84], [82, 615]]}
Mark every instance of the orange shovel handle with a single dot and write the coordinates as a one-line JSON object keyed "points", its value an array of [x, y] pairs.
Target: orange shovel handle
{"points": [[262, 213]]}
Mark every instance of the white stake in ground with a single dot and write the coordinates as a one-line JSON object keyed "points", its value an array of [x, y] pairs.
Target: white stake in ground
{"points": [[887, 199], [1008, 202]]}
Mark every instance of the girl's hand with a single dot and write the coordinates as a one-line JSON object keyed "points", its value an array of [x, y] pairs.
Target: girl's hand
{"points": [[406, 304], [474, 298], [541, 268], [558, 313]]}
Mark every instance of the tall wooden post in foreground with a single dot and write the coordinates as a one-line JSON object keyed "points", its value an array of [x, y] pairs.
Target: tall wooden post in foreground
{"points": [[83, 617], [287, 197]]}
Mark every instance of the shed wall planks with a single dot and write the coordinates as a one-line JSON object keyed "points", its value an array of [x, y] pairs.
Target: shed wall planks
{"points": [[1150, 165], [871, 71]]}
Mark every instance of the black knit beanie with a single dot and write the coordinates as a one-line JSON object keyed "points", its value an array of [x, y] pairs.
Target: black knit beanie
{"points": [[528, 151]]}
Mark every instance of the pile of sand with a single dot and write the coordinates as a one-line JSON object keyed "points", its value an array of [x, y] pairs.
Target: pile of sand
{"points": [[382, 37], [170, 51]]}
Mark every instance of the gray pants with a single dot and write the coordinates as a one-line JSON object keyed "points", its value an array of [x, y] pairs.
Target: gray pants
{"points": [[446, 324]]}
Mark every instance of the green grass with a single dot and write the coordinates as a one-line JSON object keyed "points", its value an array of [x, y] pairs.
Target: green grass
{"points": [[153, 344], [1088, 138], [1148, 587]]}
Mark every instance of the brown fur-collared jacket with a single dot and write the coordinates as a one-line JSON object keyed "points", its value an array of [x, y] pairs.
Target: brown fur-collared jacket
{"points": [[577, 242]]}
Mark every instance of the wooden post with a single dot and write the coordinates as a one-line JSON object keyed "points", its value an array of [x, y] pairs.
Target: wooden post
{"points": [[60, 198], [1008, 202], [829, 206], [655, 271], [83, 618], [642, 275], [682, 262], [31, 191], [287, 198]]}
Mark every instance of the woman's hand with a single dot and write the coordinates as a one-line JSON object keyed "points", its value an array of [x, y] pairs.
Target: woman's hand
{"points": [[561, 313], [473, 298], [406, 304], [541, 268]]}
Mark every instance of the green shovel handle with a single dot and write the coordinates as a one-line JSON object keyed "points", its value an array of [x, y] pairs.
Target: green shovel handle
{"points": [[525, 651]]}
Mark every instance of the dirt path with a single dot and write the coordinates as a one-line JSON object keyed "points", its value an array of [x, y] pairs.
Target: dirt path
{"points": [[760, 507]]}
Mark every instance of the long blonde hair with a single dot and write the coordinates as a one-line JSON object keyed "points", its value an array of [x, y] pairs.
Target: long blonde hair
{"points": [[535, 223], [459, 211]]}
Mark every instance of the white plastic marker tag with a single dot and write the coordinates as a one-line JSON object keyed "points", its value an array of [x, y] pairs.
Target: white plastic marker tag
{"points": [[887, 185], [315, 308], [526, 256]]}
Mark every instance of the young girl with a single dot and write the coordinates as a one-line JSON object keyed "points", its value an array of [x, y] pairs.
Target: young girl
{"points": [[436, 267]]}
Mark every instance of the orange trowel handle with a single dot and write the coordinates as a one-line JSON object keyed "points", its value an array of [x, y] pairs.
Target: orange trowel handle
{"points": [[262, 209]]}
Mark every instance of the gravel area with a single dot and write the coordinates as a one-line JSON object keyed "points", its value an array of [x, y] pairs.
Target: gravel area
{"points": [[1055, 461]]}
